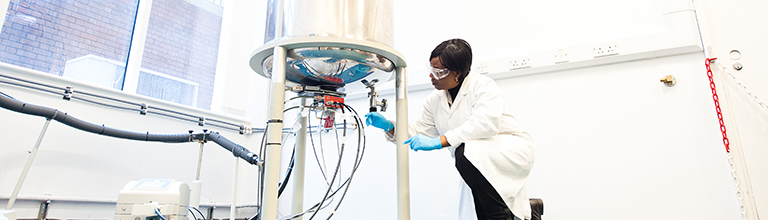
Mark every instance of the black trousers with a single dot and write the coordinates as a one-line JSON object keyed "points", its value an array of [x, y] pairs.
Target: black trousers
{"points": [[488, 202]]}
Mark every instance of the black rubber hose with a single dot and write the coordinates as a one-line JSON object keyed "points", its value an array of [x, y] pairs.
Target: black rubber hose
{"points": [[66, 119], [236, 149], [14, 105]]}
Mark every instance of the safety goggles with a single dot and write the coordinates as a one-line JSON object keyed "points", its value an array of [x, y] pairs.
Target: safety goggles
{"points": [[436, 73]]}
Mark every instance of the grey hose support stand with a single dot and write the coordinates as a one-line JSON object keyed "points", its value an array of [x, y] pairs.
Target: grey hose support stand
{"points": [[49, 113], [25, 171]]}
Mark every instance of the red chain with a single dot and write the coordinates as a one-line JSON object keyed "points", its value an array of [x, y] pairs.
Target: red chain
{"points": [[717, 103]]}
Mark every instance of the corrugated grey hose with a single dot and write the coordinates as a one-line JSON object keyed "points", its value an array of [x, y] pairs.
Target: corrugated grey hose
{"points": [[21, 107]]}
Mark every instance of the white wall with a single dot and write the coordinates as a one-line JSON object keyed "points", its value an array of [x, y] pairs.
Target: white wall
{"points": [[612, 141], [738, 25]]}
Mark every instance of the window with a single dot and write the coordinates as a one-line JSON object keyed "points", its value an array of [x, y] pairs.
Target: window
{"points": [[182, 41], [92, 40], [49, 35]]}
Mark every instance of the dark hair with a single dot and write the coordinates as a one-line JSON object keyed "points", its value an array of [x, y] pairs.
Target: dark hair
{"points": [[455, 54]]}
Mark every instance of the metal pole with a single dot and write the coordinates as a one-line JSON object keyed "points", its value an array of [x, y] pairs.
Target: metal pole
{"points": [[232, 208], [196, 187], [401, 134], [28, 165], [43, 213], [274, 135], [300, 152]]}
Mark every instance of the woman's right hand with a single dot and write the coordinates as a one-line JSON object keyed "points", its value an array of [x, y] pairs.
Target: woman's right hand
{"points": [[378, 120]]}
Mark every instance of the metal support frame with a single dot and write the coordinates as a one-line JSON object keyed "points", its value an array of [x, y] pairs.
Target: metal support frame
{"points": [[196, 186], [42, 214], [31, 158], [401, 134], [300, 151], [274, 126], [274, 135]]}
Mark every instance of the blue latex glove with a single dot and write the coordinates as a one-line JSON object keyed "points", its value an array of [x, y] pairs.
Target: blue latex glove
{"points": [[378, 120], [421, 142]]}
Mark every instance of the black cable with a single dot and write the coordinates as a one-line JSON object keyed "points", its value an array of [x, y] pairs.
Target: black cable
{"points": [[331, 191], [312, 141], [199, 212], [340, 154], [260, 183], [358, 160], [333, 179], [193, 213], [282, 185], [287, 177]]}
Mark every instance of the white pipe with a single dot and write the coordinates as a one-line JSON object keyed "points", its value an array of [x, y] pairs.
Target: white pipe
{"points": [[234, 190], [197, 186], [194, 195], [300, 152], [274, 135], [28, 165], [401, 134]]}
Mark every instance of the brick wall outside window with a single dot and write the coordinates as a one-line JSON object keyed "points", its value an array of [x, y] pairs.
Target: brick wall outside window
{"points": [[182, 39]]}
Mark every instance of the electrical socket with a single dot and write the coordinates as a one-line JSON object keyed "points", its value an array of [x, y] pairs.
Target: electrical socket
{"points": [[605, 50], [561, 56], [519, 63], [482, 68]]}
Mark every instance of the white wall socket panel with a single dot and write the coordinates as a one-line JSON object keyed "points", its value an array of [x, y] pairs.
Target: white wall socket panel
{"points": [[561, 56], [482, 68], [605, 50], [519, 63]]}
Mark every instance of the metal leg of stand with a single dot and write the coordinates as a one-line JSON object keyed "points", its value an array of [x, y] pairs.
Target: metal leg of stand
{"points": [[43, 213], [300, 152], [274, 135], [401, 134], [28, 165]]}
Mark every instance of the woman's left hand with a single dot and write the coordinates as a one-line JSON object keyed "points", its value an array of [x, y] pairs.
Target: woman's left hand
{"points": [[422, 142]]}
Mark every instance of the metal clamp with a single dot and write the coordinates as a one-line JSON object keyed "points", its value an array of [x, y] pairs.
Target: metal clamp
{"points": [[68, 93], [144, 108]]}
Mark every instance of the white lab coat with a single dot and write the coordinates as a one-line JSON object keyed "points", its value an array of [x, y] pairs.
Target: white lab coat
{"points": [[493, 140]]}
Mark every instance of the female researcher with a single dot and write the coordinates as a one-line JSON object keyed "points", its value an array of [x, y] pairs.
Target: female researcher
{"points": [[466, 114]]}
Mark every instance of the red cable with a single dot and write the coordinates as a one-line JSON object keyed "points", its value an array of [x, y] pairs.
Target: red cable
{"points": [[717, 103]]}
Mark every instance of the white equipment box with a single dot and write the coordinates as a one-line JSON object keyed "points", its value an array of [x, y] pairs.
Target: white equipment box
{"points": [[138, 200]]}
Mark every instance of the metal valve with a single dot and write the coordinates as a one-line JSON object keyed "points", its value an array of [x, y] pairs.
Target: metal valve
{"points": [[374, 104], [382, 105]]}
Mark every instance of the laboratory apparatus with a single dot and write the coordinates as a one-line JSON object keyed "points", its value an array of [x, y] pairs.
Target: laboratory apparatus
{"points": [[322, 50], [147, 198]]}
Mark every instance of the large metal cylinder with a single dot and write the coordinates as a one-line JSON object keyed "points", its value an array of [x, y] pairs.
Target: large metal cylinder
{"points": [[333, 44], [359, 19]]}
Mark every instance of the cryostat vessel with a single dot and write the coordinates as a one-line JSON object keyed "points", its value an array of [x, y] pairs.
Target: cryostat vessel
{"points": [[333, 44], [326, 49]]}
